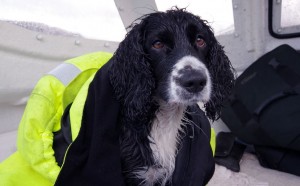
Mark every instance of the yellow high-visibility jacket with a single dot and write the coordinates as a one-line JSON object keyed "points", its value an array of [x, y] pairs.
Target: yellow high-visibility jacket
{"points": [[34, 162]]}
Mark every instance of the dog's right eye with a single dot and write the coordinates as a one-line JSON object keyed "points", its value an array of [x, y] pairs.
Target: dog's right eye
{"points": [[158, 44]]}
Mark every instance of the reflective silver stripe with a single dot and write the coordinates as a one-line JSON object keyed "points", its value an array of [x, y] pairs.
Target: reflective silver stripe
{"points": [[65, 72]]}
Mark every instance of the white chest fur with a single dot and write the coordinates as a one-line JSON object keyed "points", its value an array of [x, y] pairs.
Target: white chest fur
{"points": [[165, 138]]}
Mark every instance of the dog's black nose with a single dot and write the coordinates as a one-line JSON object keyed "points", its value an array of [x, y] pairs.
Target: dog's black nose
{"points": [[192, 80]]}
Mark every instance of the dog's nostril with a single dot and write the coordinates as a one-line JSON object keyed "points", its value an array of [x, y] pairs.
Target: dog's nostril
{"points": [[192, 84]]}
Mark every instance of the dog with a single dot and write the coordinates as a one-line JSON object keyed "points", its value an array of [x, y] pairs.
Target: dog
{"points": [[167, 63]]}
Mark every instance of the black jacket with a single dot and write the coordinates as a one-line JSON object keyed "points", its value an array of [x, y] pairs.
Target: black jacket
{"points": [[94, 157]]}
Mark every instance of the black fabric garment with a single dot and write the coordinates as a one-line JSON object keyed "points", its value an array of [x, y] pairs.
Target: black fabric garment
{"points": [[94, 157], [62, 138], [194, 164]]}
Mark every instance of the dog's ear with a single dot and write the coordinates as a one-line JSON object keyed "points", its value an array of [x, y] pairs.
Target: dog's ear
{"points": [[131, 76], [222, 75]]}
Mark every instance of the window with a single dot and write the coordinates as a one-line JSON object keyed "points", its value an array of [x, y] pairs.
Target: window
{"points": [[284, 18]]}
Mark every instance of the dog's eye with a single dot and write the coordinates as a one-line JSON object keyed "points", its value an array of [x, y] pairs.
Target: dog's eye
{"points": [[200, 42], [158, 44]]}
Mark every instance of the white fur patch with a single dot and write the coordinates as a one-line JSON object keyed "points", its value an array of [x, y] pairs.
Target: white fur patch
{"points": [[165, 133], [165, 139], [176, 91]]}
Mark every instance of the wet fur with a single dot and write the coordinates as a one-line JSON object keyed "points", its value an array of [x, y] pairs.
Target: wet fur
{"points": [[141, 82]]}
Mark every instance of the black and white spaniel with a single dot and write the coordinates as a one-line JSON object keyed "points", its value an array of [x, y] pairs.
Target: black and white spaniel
{"points": [[166, 64]]}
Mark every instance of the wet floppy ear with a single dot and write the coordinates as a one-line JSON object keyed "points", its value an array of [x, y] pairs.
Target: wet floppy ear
{"points": [[133, 83], [131, 76], [222, 75]]}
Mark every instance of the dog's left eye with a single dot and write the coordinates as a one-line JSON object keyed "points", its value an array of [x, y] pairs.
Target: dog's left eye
{"points": [[200, 42], [158, 44]]}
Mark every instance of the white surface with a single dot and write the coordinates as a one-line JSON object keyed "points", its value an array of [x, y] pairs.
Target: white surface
{"points": [[252, 174]]}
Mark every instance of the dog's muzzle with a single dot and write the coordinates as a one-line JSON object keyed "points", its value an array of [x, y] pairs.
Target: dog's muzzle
{"points": [[190, 81]]}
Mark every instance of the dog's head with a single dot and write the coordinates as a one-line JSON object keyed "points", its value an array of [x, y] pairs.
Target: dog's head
{"points": [[175, 57], [177, 44]]}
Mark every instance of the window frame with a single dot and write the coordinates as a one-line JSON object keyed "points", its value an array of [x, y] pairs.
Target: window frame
{"points": [[274, 22]]}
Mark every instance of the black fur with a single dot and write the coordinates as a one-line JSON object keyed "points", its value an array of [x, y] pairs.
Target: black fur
{"points": [[133, 81], [222, 77], [138, 76]]}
